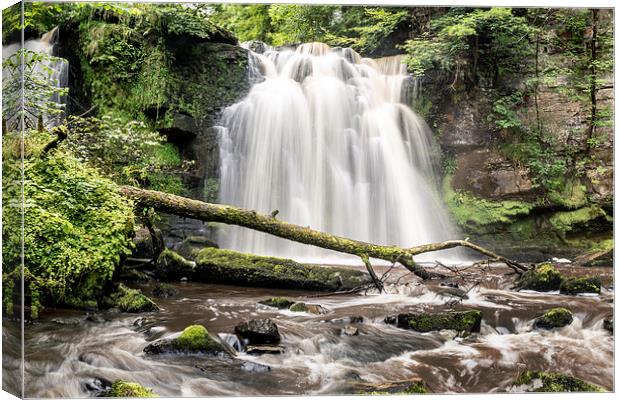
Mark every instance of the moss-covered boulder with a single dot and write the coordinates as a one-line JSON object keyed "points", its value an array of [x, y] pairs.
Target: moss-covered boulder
{"points": [[128, 389], [554, 318], [585, 284], [554, 382], [258, 331], [191, 246], [309, 308], [277, 302], [232, 267], [171, 266], [164, 291], [543, 278], [193, 339], [462, 321], [132, 300]]}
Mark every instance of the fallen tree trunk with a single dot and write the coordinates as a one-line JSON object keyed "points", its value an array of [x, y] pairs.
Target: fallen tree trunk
{"points": [[189, 208]]}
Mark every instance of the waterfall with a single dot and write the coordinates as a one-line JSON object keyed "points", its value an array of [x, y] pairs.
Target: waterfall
{"points": [[53, 70], [326, 140]]}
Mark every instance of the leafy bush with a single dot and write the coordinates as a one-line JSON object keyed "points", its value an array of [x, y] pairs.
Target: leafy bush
{"points": [[76, 224]]}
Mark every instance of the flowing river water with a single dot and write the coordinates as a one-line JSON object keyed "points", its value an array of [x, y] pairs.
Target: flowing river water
{"points": [[70, 355]]}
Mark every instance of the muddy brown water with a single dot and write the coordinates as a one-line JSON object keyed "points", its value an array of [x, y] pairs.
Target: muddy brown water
{"points": [[66, 354]]}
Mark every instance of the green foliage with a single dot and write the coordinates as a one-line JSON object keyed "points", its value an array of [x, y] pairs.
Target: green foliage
{"points": [[248, 22], [503, 114], [490, 39], [76, 226], [30, 89], [211, 190], [299, 23]]}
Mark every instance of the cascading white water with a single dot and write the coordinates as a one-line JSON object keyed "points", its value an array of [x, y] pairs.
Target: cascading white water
{"points": [[325, 139], [54, 70]]}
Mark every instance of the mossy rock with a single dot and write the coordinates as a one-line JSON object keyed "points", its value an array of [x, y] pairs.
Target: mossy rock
{"points": [[132, 300], [171, 266], [309, 308], [396, 387], [277, 302], [543, 278], [163, 291], [462, 321], [191, 246], [232, 267], [586, 284], [193, 339], [554, 382], [128, 389], [554, 318]]}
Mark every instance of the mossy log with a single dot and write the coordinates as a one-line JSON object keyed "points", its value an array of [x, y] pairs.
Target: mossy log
{"points": [[189, 208]]}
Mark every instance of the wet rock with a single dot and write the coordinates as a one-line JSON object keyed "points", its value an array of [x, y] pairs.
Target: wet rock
{"points": [[390, 320], [193, 339], [128, 389], [132, 300], [142, 321], [357, 319], [277, 302], [67, 321], [350, 331], [164, 291], [586, 284], [143, 243], [258, 331], [448, 291], [96, 386], [256, 46], [254, 367], [554, 382], [543, 278], [264, 349], [191, 246], [170, 266], [96, 318], [608, 324], [309, 308], [393, 387], [233, 267], [461, 321], [554, 318]]}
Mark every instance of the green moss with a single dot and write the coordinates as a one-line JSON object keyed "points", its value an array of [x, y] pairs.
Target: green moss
{"points": [[544, 277], [474, 214], [232, 267], [554, 318], [416, 388], [586, 284], [462, 321], [128, 389], [571, 195], [555, 382], [194, 338], [132, 300], [566, 221], [277, 302], [168, 155], [171, 266]]}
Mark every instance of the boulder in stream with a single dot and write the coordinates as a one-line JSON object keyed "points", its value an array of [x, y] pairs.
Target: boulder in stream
{"points": [[554, 382], [258, 331], [128, 389], [170, 266], [462, 321], [132, 300], [608, 324], [232, 267], [585, 284], [277, 302], [543, 278], [193, 339], [350, 331], [309, 308], [264, 349], [164, 291], [554, 318]]}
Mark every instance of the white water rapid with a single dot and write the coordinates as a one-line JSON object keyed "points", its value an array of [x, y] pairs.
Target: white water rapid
{"points": [[325, 138]]}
